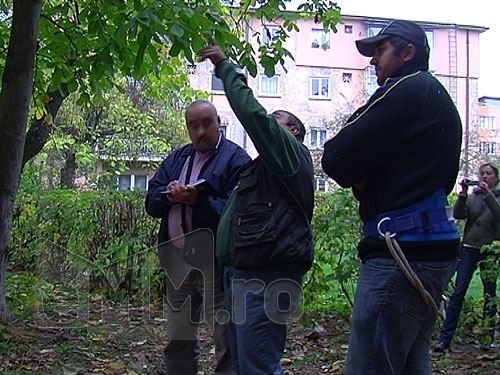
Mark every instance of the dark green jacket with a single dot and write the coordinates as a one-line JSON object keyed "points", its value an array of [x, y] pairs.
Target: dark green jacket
{"points": [[266, 221], [484, 211]]}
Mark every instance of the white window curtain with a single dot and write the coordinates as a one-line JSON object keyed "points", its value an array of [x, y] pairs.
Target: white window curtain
{"points": [[269, 85]]}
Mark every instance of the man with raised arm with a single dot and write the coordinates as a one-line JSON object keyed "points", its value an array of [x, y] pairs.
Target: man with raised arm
{"points": [[264, 236]]}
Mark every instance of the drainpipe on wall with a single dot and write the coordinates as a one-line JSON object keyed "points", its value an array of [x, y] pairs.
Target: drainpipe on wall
{"points": [[467, 99]]}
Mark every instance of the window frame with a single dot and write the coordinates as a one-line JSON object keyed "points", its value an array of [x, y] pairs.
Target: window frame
{"points": [[325, 44], [346, 78], [278, 85], [319, 96], [131, 181], [487, 148], [214, 78], [315, 133], [320, 180], [429, 33], [273, 29], [487, 122], [370, 84]]}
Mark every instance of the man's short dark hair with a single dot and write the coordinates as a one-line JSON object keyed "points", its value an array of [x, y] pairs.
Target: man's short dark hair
{"points": [[293, 121], [421, 54]]}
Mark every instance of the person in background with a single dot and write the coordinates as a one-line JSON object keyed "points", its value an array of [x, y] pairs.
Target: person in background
{"points": [[184, 209], [264, 236], [400, 155], [481, 210]]}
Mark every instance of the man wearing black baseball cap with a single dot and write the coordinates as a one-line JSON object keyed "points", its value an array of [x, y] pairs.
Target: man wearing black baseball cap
{"points": [[407, 30], [400, 155]]}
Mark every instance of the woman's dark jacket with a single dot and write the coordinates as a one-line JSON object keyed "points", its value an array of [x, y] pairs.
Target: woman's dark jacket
{"points": [[482, 212]]}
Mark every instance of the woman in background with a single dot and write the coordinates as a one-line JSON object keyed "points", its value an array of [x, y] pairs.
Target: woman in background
{"points": [[481, 210]]}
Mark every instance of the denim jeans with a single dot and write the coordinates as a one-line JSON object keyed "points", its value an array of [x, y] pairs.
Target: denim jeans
{"points": [[260, 303], [391, 324], [467, 265]]}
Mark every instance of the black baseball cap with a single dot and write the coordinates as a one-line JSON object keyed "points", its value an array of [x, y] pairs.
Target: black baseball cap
{"points": [[407, 30]]}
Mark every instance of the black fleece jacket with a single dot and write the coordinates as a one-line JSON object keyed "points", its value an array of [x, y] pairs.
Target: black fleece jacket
{"points": [[403, 145]]}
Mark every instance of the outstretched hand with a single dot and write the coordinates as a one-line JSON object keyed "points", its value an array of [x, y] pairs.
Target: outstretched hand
{"points": [[213, 52]]}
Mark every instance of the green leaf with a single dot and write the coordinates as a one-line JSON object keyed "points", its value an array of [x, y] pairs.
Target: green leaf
{"points": [[72, 86], [175, 49], [177, 30], [153, 54], [144, 38]]}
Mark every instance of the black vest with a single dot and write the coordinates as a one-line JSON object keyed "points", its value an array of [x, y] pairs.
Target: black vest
{"points": [[270, 221]]}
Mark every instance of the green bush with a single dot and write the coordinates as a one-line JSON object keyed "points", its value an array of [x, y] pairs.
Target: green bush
{"points": [[336, 230], [95, 238], [25, 294]]}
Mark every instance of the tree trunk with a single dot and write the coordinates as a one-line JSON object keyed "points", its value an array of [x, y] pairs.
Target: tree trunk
{"points": [[17, 83], [68, 171]]}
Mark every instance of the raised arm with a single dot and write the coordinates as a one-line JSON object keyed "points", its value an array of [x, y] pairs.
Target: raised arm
{"points": [[276, 146]]}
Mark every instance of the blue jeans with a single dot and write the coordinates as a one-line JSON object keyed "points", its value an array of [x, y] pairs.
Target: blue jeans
{"points": [[259, 303], [391, 324], [466, 267]]}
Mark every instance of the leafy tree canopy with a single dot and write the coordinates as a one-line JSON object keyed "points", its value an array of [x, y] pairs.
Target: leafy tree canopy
{"points": [[84, 44]]}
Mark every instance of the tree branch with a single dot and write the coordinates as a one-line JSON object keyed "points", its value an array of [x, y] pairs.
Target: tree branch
{"points": [[39, 131], [64, 30]]}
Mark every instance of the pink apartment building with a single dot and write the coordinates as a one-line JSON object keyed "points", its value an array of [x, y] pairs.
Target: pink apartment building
{"points": [[329, 79], [488, 134]]}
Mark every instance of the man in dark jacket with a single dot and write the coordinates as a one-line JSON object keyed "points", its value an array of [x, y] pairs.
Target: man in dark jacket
{"points": [[264, 237], [400, 155], [186, 211]]}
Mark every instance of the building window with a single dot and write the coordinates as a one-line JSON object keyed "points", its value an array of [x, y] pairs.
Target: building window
{"points": [[269, 85], [132, 182], [216, 84], [373, 30], [370, 82], [224, 122], [346, 77], [430, 39], [318, 138], [320, 87], [487, 148], [320, 38], [223, 129], [268, 33], [191, 69], [321, 183], [487, 122], [348, 29]]}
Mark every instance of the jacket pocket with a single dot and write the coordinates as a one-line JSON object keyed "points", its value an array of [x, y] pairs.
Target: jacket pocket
{"points": [[248, 177], [253, 227]]}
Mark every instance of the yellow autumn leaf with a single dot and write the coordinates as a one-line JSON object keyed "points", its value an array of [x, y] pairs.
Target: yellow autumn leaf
{"points": [[39, 112]]}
